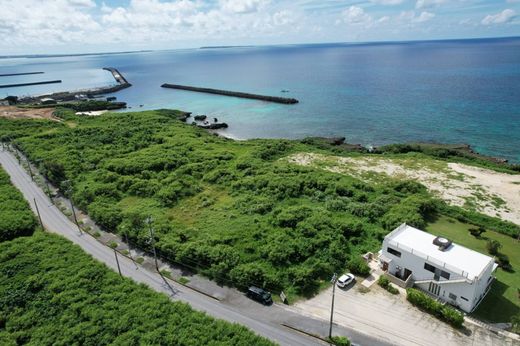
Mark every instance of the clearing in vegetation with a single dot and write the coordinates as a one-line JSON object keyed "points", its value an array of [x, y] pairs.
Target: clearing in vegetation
{"points": [[483, 190]]}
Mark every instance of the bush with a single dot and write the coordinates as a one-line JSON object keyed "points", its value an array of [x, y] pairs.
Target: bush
{"points": [[493, 246], [357, 265], [477, 232], [385, 283], [340, 340], [503, 262], [428, 304]]}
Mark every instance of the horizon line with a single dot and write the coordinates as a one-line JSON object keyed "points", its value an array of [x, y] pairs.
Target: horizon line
{"points": [[56, 55]]}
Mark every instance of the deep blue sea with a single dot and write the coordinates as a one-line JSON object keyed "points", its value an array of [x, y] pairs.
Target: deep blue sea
{"points": [[463, 91]]}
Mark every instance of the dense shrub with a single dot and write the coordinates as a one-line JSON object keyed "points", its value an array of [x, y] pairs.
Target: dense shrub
{"points": [[359, 266], [93, 105], [385, 283], [52, 293], [288, 226], [16, 219], [441, 311]]}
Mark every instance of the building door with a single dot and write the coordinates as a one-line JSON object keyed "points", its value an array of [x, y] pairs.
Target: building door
{"points": [[407, 273]]}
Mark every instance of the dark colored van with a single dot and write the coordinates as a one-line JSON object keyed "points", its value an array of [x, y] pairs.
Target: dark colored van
{"points": [[259, 295]]}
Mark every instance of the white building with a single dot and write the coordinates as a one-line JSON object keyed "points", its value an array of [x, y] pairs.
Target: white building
{"points": [[453, 273]]}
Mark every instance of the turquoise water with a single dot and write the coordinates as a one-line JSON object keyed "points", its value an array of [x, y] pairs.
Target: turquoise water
{"points": [[372, 94]]}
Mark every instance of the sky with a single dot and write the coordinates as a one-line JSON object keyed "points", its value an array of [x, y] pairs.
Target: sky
{"points": [[80, 26]]}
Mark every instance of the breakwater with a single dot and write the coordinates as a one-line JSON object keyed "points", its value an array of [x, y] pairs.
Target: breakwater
{"points": [[117, 76], [232, 93], [31, 83], [72, 95], [19, 74]]}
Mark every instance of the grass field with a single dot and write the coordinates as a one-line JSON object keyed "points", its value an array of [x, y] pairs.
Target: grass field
{"points": [[503, 300]]}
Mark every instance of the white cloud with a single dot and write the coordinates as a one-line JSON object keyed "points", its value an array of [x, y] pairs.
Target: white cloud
{"points": [[387, 2], [242, 6], [356, 15], [82, 3], [283, 17], [428, 3], [502, 17], [412, 17]]}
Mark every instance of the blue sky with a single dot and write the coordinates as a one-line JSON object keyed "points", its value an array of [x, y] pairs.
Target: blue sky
{"points": [[74, 26]]}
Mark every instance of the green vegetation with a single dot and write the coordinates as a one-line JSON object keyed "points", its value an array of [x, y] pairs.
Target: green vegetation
{"points": [[385, 283], [234, 211], [502, 302], [443, 312], [231, 210], [448, 152], [52, 293], [340, 340], [16, 219], [92, 105]]}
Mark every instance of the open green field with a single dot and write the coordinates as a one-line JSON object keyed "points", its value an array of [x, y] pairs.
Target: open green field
{"points": [[238, 212], [503, 301]]}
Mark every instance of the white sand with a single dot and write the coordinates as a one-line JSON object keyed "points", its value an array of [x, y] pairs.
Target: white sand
{"points": [[489, 192], [93, 113]]}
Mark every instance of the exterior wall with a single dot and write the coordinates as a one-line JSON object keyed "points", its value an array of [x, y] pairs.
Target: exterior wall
{"points": [[462, 287]]}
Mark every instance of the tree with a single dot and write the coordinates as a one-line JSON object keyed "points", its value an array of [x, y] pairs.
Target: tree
{"points": [[493, 246]]}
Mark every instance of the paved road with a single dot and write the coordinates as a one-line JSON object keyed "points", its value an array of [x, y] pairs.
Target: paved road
{"points": [[265, 322]]}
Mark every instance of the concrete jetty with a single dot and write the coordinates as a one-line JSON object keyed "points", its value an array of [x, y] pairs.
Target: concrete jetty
{"points": [[117, 76], [71, 95], [31, 83], [19, 74], [276, 99]]}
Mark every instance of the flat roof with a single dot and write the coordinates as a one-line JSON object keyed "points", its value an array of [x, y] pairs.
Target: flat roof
{"points": [[470, 262]]}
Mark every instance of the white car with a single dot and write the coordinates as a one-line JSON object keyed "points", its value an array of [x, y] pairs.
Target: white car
{"points": [[345, 280]]}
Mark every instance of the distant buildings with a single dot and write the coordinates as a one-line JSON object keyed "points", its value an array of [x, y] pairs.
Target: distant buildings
{"points": [[450, 272]]}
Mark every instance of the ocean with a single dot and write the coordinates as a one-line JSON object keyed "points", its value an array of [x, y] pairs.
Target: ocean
{"points": [[458, 91]]}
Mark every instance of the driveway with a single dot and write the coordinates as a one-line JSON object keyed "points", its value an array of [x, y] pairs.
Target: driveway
{"points": [[391, 318]]}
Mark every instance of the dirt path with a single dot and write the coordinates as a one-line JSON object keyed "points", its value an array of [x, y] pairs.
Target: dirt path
{"points": [[486, 191], [13, 112]]}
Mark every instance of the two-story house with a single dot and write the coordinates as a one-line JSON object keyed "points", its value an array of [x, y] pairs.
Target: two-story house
{"points": [[451, 272]]}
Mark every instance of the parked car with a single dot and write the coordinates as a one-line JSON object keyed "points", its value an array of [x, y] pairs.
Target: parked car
{"points": [[345, 280], [260, 295]]}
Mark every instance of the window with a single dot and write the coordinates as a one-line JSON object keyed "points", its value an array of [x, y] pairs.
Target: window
{"points": [[429, 267], [452, 296], [393, 252], [464, 298], [445, 275]]}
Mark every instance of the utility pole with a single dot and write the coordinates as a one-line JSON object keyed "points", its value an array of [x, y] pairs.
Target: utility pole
{"points": [[30, 170], [125, 233], [333, 280], [68, 195], [117, 261], [152, 241], [48, 190], [38, 212]]}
